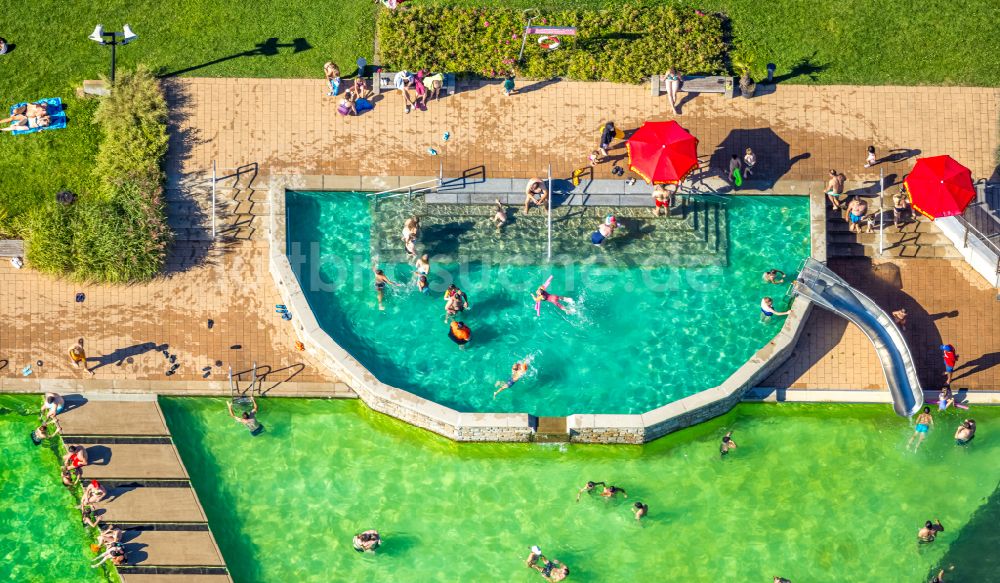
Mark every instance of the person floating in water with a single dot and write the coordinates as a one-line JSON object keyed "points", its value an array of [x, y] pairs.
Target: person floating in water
{"points": [[924, 423], [774, 276], [542, 295], [516, 372], [612, 491], [499, 215], [247, 418], [928, 533], [459, 333], [380, 282], [422, 284], [367, 541], [455, 301], [727, 444], [767, 310], [965, 432], [640, 510], [588, 488], [41, 433]]}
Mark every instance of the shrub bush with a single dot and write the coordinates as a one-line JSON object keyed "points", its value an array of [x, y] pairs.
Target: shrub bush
{"points": [[119, 234], [624, 45]]}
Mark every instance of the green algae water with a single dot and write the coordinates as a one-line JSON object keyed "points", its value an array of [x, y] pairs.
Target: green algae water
{"points": [[679, 316], [814, 493], [41, 536]]}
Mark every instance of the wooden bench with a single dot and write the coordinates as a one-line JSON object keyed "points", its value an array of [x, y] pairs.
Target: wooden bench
{"points": [[712, 84], [383, 82], [11, 248]]}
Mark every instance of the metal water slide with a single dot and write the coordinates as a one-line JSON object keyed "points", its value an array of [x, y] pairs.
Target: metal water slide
{"points": [[824, 287]]}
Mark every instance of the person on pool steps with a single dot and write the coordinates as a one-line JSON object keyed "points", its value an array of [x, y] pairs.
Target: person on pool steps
{"points": [[924, 423]]}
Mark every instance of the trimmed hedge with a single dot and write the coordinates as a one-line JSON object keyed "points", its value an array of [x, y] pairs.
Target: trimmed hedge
{"points": [[625, 45], [119, 234]]}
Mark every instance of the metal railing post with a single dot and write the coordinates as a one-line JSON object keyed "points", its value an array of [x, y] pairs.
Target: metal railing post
{"points": [[965, 239]]}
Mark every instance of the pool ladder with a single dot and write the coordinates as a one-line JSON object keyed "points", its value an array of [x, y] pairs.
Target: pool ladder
{"points": [[234, 385]]}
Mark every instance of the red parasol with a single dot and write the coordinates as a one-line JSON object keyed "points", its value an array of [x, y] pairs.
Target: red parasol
{"points": [[940, 187], [662, 152]]}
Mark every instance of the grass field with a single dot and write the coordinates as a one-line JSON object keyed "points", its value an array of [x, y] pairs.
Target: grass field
{"points": [[843, 42], [52, 56]]}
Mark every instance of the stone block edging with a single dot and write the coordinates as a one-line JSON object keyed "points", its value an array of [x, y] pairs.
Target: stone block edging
{"points": [[463, 426]]}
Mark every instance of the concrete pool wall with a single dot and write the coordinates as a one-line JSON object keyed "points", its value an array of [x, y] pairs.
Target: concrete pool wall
{"points": [[518, 427]]}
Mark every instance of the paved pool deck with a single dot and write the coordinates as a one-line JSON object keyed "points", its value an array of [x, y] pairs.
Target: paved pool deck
{"points": [[798, 132]]}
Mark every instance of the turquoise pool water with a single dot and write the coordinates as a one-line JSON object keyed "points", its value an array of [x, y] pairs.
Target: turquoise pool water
{"points": [[41, 537], [814, 493], [641, 336]]}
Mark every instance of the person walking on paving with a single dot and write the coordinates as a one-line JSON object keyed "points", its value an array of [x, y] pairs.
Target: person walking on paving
{"points": [[834, 189], [78, 356], [950, 357], [735, 171]]}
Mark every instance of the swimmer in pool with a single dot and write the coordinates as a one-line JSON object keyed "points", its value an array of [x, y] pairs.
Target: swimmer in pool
{"points": [[640, 510], [727, 444], [422, 284], [928, 533], [423, 265], [516, 372], [610, 492], [248, 418], [455, 301], [499, 215], [554, 571], [774, 276], [71, 477], [589, 489], [924, 423], [541, 295], [380, 282], [965, 432], [533, 557], [41, 433], [767, 310]]}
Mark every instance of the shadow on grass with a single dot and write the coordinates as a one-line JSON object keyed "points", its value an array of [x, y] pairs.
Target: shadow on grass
{"points": [[804, 67], [268, 48]]}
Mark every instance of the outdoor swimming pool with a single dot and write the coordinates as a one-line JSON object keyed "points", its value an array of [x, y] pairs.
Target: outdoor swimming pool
{"points": [[41, 536], [813, 493], [668, 309]]}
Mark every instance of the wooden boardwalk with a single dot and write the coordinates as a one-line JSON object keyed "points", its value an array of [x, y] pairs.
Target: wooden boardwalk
{"points": [[150, 497]]}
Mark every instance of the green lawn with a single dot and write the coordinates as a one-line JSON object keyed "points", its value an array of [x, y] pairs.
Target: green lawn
{"points": [[848, 42], [52, 56]]}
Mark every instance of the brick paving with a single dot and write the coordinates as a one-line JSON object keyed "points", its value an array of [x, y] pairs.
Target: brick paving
{"points": [[126, 327], [289, 126], [947, 303], [799, 132]]}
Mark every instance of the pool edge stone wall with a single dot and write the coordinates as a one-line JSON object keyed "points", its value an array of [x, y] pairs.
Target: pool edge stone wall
{"points": [[511, 427]]}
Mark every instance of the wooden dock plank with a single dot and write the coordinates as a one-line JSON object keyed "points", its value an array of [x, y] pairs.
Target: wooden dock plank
{"points": [[147, 505], [134, 462], [119, 418], [172, 548]]}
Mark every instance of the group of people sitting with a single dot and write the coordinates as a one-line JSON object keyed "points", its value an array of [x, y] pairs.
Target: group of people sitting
{"points": [[28, 116], [355, 99], [424, 86], [109, 537], [857, 209]]}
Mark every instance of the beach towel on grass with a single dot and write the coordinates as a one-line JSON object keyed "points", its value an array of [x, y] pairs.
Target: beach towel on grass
{"points": [[57, 117]]}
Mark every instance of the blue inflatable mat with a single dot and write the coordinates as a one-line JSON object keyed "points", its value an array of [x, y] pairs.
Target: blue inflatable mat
{"points": [[56, 114]]}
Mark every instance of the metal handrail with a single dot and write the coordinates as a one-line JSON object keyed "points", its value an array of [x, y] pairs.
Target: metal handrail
{"points": [[986, 239], [408, 188]]}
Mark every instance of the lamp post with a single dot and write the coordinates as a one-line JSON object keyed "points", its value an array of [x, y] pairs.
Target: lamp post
{"points": [[114, 39]]}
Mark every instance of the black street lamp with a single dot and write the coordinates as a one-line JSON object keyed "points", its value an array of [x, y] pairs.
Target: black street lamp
{"points": [[112, 38]]}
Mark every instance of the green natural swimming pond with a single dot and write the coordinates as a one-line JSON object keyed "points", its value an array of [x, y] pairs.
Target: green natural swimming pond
{"points": [[41, 537], [668, 307], [814, 493]]}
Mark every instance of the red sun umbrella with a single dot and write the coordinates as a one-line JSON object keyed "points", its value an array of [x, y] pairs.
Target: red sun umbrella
{"points": [[662, 152], [940, 187]]}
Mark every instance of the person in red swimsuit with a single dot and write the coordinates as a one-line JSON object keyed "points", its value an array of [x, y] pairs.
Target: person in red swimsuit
{"points": [[76, 458]]}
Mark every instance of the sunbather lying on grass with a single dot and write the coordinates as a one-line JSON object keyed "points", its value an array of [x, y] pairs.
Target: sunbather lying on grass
{"points": [[31, 115]]}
